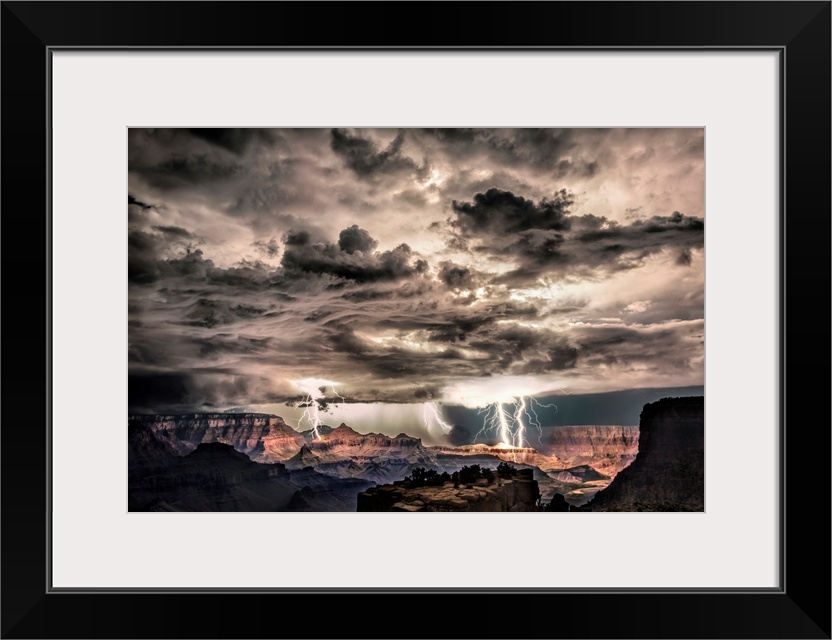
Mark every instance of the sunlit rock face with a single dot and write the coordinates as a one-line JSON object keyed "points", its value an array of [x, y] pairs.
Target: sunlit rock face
{"points": [[578, 461], [345, 453], [508, 453], [669, 472], [262, 437], [607, 449], [346, 442]]}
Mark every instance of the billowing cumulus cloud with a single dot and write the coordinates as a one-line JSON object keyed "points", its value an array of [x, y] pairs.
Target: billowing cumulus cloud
{"points": [[412, 266], [544, 236], [364, 157], [351, 259]]}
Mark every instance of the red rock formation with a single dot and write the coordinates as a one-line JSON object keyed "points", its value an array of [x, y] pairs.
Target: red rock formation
{"points": [[262, 437], [607, 449], [345, 453], [345, 442]]}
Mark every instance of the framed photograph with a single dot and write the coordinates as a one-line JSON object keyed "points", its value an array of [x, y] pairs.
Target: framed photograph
{"points": [[398, 321]]}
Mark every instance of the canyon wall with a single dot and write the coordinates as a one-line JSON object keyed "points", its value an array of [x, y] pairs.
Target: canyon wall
{"points": [[669, 472], [607, 449], [262, 437]]}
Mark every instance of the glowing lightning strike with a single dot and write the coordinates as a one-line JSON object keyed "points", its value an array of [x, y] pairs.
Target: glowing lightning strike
{"points": [[431, 415], [520, 431], [311, 415], [509, 427], [314, 390], [532, 416], [502, 417], [497, 419]]}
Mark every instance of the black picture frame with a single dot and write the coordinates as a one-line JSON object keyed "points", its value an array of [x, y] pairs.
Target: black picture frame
{"points": [[799, 31]]}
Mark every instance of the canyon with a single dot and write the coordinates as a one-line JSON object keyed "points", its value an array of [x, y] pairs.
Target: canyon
{"points": [[262, 437], [329, 472]]}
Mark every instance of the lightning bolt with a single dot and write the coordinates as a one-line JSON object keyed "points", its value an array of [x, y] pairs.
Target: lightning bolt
{"points": [[520, 431], [532, 416], [431, 415], [312, 416], [497, 419], [510, 426], [339, 396], [504, 431], [314, 390]]}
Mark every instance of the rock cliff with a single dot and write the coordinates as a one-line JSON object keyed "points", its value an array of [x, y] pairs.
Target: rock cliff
{"points": [[518, 494], [607, 449], [345, 453], [144, 451], [669, 472], [213, 477], [344, 441], [262, 437]]}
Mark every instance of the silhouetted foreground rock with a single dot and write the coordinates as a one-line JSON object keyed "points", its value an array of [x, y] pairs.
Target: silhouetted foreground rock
{"points": [[519, 494], [669, 472], [216, 477], [558, 503]]}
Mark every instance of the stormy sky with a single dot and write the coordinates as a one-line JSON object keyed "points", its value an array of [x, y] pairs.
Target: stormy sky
{"points": [[412, 265]]}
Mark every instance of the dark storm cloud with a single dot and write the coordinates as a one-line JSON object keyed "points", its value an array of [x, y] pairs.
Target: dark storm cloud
{"points": [[173, 233], [685, 258], [344, 340], [544, 149], [427, 393], [258, 258], [456, 276], [142, 258], [460, 435], [210, 313], [399, 363], [182, 171], [668, 345], [446, 324], [498, 211], [457, 329], [146, 264], [138, 203], [464, 345], [546, 237], [152, 391], [364, 157], [228, 343], [355, 239], [558, 358], [230, 171], [270, 248], [234, 140], [350, 259]]}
